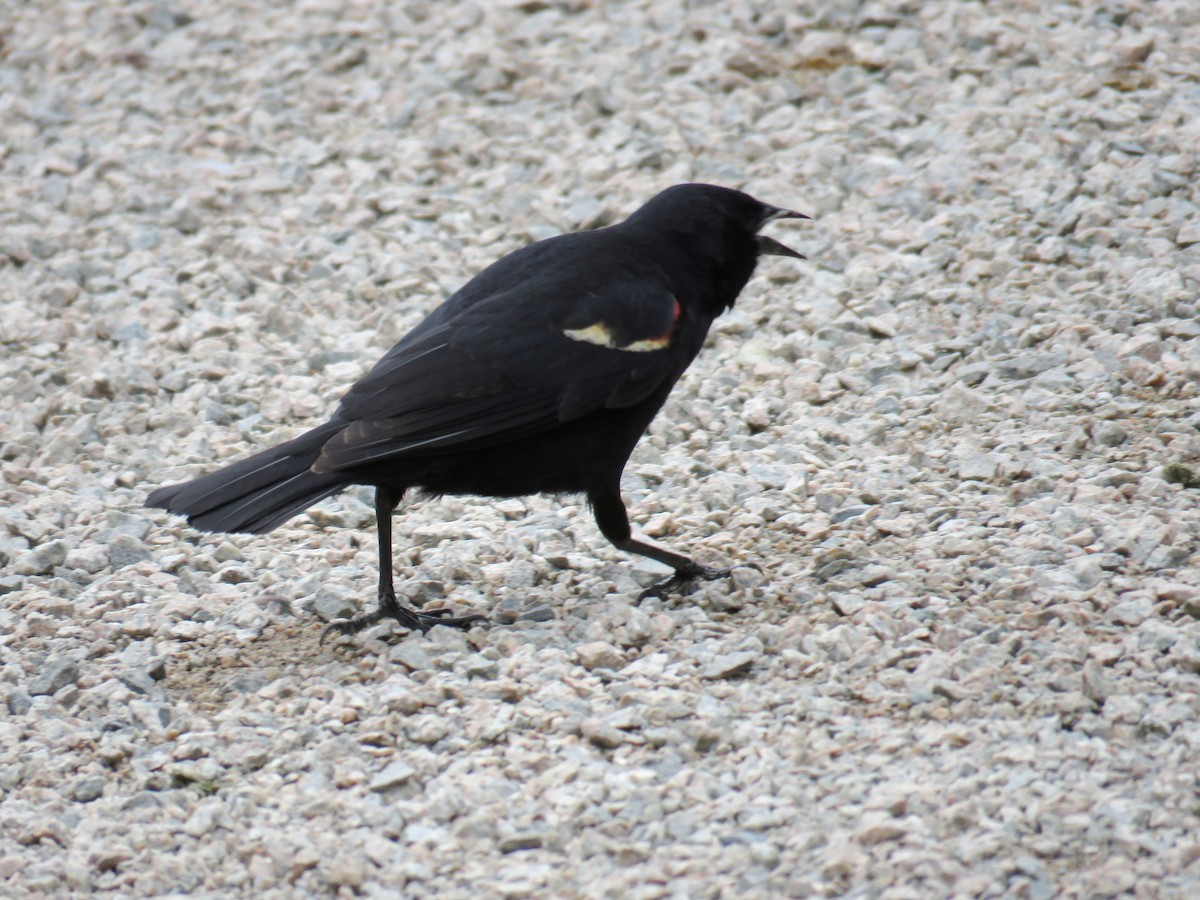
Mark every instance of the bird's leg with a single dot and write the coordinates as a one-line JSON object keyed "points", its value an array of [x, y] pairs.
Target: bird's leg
{"points": [[613, 521], [386, 501]]}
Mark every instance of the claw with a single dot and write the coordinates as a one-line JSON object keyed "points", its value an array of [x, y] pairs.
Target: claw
{"points": [[683, 575]]}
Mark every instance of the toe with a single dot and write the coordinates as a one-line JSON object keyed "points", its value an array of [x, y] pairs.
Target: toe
{"points": [[442, 617]]}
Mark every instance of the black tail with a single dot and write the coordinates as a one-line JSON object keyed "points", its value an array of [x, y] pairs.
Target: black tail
{"points": [[258, 493]]}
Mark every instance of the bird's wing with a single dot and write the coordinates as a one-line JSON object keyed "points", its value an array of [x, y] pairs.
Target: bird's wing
{"points": [[510, 365]]}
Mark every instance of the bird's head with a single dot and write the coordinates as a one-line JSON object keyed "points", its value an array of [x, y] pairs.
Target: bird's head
{"points": [[714, 231]]}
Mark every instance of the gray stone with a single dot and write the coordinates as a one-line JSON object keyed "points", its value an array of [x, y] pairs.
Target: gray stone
{"points": [[1029, 365], [346, 870], [729, 665], [89, 788], [600, 655], [602, 733], [521, 840], [847, 512], [126, 550], [537, 614], [1131, 612], [827, 501], [54, 676], [1188, 234], [1109, 434], [19, 702], [446, 639], [847, 604], [131, 331], [330, 605], [137, 680], [392, 776], [978, 466], [1096, 686], [42, 559], [410, 653], [137, 653], [481, 667]]}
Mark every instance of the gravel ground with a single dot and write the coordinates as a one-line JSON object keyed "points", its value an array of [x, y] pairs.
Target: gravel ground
{"points": [[970, 664]]}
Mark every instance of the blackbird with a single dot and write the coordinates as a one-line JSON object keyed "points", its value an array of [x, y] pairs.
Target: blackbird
{"points": [[537, 376]]}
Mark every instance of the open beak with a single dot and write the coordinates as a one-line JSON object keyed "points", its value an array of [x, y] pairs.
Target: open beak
{"points": [[768, 246]]}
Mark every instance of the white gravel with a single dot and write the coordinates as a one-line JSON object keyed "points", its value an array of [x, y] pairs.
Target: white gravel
{"points": [[970, 665]]}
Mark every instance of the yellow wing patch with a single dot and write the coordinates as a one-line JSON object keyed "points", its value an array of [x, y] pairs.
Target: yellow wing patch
{"points": [[649, 344], [601, 335], [597, 334]]}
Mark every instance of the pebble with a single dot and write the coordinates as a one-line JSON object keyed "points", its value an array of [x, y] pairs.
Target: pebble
{"points": [[41, 560], [138, 681], [537, 614], [1109, 434], [85, 790], [981, 466], [409, 653], [526, 840], [1131, 612], [1029, 365], [126, 550], [877, 831], [601, 733], [847, 512], [1095, 684], [331, 605], [19, 702], [729, 665], [600, 655], [54, 676], [393, 775], [346, 870]]}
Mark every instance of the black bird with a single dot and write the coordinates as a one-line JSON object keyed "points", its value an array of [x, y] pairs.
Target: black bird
{"points": [[538, 376]]}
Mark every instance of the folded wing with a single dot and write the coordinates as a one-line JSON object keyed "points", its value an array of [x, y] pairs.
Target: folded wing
{"points": [[513, 364]]}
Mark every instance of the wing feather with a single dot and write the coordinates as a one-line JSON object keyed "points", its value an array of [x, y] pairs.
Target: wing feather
{"points": [[502, 367]]}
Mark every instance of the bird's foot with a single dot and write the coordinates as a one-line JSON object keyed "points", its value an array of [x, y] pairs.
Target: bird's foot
{"points": [[686, 574], [412, 619]]}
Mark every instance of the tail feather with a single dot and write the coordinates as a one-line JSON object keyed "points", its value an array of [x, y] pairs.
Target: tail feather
{"points": [[259, 493]]}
